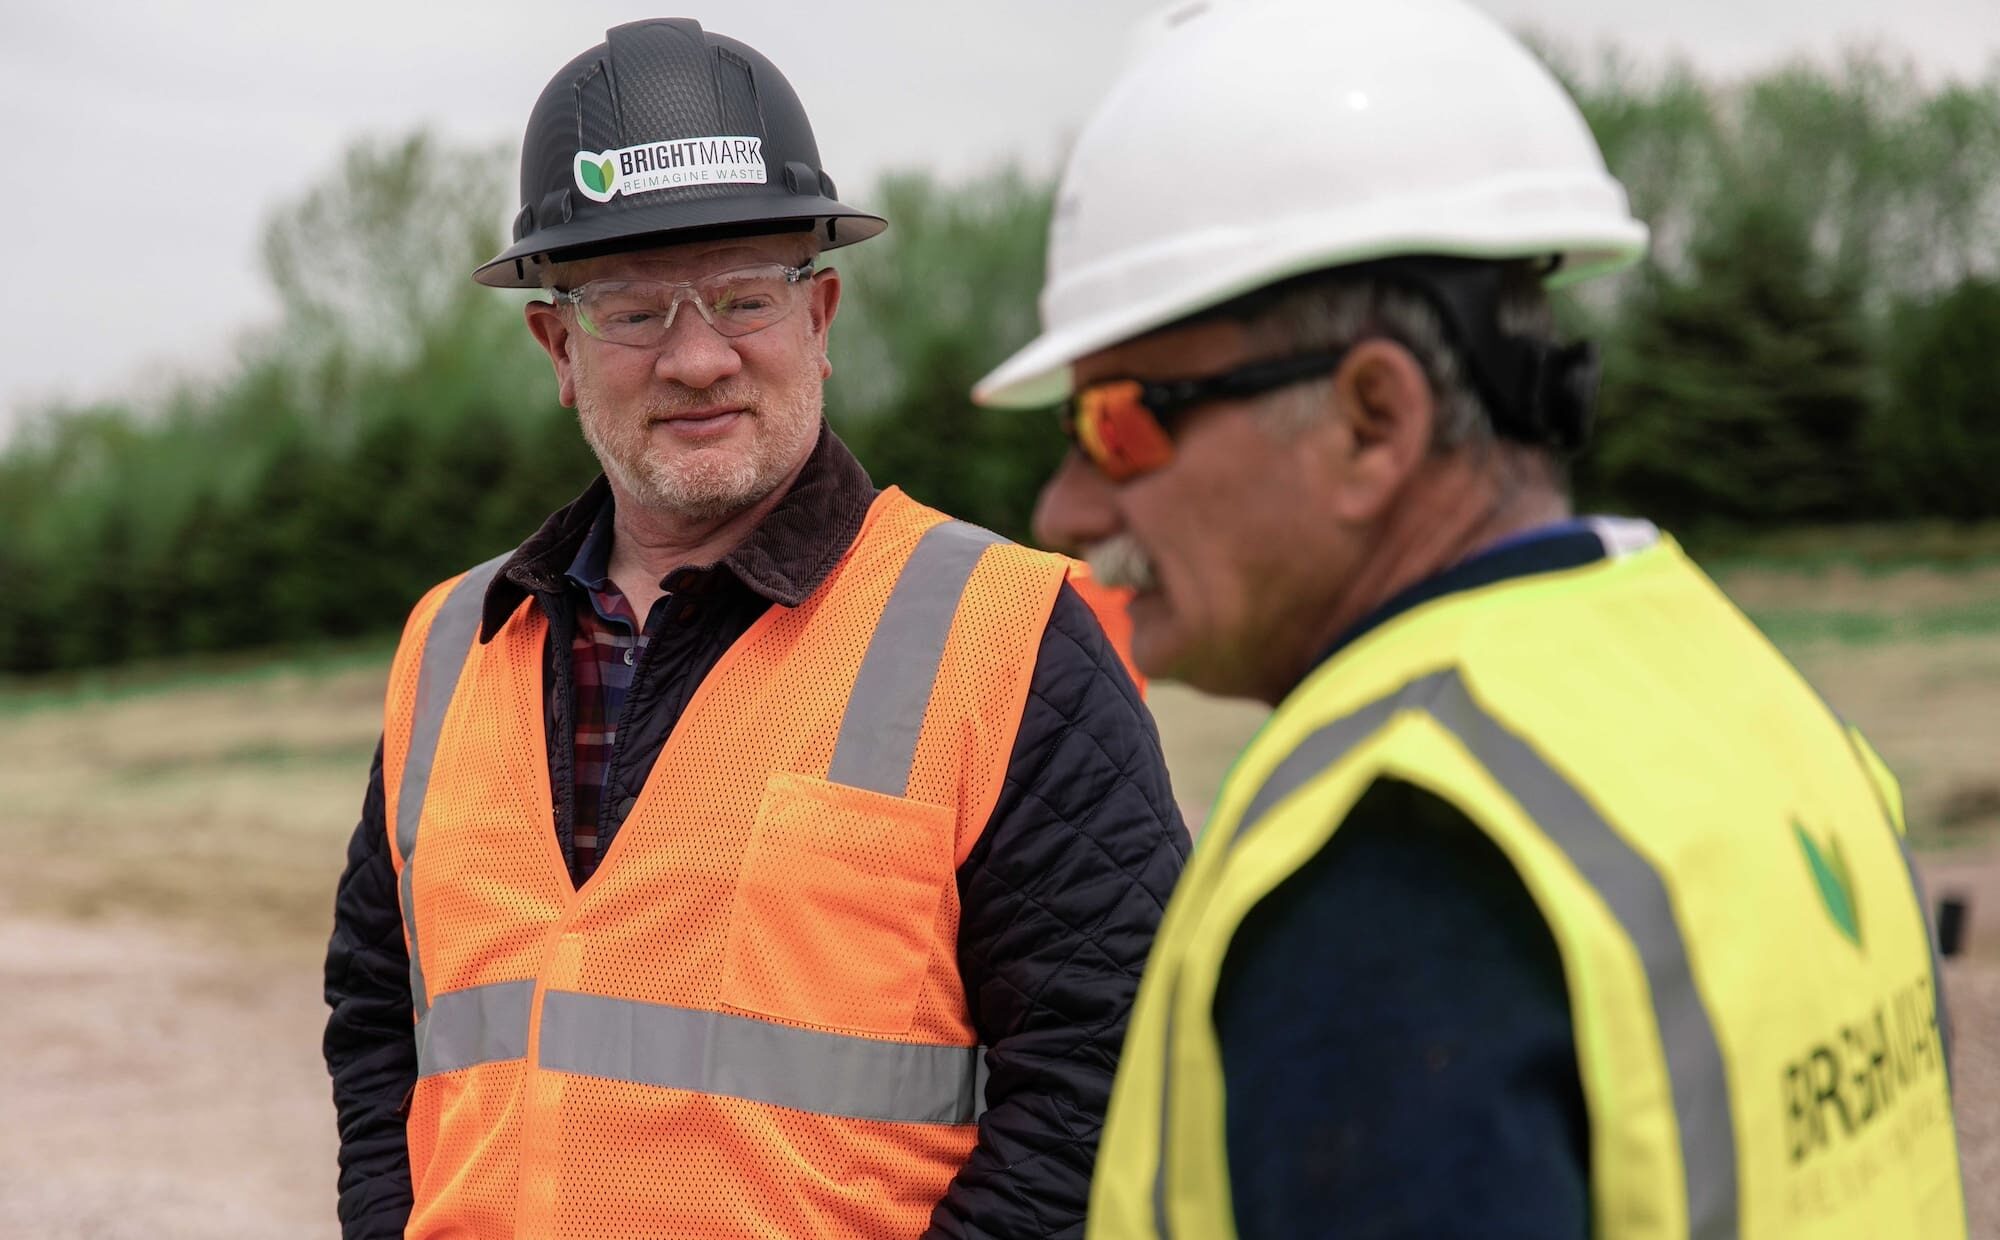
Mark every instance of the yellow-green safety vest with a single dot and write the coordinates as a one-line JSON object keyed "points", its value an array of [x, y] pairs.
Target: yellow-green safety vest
{"points": [[1721, 861]]}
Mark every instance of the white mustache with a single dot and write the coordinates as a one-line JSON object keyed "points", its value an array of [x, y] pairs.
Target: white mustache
{"points": [[1120, 563]]}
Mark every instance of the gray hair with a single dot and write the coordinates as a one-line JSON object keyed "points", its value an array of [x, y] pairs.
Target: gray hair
{"points": [[1333, 310]]}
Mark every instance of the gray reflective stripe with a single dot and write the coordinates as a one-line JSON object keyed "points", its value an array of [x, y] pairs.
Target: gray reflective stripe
{"points": [[406, 896], [480, 1024], [740, 1057], [450, 637], [885, 711], [1636, 895], [1626, 881], [1320, 750], [1330, 743], [1316, 753], [1161, 1222], [445, 647]]}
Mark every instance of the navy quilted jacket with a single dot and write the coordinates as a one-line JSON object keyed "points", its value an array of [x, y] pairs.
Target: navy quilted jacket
{"points": [[1060, 899]]}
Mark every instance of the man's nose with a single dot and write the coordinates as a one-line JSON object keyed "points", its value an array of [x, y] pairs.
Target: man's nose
{"points": [[693, 353], [1075, 508]]}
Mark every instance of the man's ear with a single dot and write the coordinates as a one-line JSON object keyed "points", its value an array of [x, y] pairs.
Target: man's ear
{"points": [[554, 333], [1387, 411], [823, 302]]}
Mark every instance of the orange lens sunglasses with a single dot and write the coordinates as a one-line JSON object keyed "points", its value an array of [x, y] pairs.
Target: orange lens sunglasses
{"points": [[1123, 426]]}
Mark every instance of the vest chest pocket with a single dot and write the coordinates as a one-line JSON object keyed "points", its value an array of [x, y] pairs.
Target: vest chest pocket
{"points": [[835, 914]]}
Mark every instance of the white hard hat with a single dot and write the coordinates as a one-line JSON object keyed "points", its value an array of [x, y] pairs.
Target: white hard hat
{"points": [[1252, 140]]}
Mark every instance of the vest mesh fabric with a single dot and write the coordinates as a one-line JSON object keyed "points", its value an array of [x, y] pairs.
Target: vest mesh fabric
{"points": [[742, 883]]}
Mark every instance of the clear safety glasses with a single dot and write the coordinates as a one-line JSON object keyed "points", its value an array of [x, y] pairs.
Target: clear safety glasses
{"points": [[641, 312]]}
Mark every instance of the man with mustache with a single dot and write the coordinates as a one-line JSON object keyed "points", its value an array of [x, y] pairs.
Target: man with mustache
{"points": [[1551, 902], [750, 852]]}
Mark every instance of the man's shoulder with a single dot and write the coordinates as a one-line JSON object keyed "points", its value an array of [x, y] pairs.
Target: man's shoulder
{"points": [[470, 597], [1080, 677], [906, 535]]}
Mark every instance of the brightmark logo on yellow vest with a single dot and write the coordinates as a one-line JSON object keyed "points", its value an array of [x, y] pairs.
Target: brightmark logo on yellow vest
{"points": [[603, 175], [1862, 1072]]}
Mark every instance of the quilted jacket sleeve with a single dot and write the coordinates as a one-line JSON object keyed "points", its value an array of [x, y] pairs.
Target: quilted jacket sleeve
{"points": [[1060, 899], [370, 1049]]}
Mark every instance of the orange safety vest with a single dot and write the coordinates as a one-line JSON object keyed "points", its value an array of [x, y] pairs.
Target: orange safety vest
{"points": [[749, 1021]]}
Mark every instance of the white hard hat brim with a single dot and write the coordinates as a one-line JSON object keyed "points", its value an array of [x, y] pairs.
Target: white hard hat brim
{"points": [[1238, 262], [1250, 141]]}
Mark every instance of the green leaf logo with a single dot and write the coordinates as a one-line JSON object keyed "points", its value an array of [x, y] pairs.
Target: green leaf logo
{"points": [[1836, 886], [597, 175]]}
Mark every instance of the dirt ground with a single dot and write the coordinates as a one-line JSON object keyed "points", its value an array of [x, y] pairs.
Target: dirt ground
{"points": [[173, 852], [161, 929], [160, 1086]]}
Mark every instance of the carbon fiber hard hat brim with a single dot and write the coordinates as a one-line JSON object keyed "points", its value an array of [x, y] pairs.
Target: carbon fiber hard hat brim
{"points": [[833, 223]]}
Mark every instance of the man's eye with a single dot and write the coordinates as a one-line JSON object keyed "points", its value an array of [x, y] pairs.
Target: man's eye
{"points": [[629, 317]]}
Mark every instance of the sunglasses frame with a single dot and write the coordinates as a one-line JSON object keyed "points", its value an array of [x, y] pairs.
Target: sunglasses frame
{"points": [[1166, 401]]}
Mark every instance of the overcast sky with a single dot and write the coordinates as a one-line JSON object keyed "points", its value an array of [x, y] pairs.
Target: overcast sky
{"points": [[145, 141]]}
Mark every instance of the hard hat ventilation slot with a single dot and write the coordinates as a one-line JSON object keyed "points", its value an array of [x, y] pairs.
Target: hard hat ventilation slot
{"points": [[556, 208]]}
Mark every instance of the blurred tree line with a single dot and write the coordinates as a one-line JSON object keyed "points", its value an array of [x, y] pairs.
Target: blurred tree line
{"points": [[1816, 338]]}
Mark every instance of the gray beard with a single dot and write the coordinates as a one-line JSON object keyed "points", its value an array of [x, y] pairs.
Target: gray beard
{"points": [[700, 488], [1119, 563]]}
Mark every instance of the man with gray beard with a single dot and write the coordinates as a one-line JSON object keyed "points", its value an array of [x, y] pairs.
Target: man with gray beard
{"points": [[1550, 901], [749, 852]]}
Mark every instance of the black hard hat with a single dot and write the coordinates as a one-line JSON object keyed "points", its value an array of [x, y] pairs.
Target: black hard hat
{"points": [[666, 133]]}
